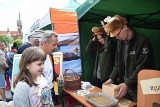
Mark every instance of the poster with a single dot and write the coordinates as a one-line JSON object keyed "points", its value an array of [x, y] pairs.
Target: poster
{"points": [[58, 60], [15, 68], [70, 47]]}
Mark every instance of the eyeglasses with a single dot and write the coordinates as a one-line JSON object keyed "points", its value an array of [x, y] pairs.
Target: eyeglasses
{"points": [[119, 32]]}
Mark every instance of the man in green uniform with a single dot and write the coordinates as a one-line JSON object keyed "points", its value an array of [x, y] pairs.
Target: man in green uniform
{"points": [[134, 53]]}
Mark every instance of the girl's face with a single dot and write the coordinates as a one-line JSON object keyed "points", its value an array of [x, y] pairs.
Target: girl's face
{"points": [[36, 68], [100, 39]]}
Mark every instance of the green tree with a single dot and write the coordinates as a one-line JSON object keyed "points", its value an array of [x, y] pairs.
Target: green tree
{"points": [[6, 39], [18, 41]]}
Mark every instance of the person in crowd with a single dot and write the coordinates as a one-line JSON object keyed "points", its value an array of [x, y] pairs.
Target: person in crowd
{"points": [[3, 67], [134, 53], [48, 44], [32, 42], [10, 56], [104, 47], [31, 88]]}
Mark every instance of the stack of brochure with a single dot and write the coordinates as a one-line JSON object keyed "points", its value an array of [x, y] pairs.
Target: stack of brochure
{"points": [[85, 85]]}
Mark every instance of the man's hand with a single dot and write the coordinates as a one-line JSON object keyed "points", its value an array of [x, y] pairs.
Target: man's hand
{"points": [[122, 90], [108, 82]]}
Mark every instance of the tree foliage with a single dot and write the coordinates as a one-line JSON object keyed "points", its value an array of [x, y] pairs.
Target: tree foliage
{"points": [[18, 41], [6, 39]]}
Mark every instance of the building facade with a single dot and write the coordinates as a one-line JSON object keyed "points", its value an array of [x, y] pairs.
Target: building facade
{"points": [[14, 34]]}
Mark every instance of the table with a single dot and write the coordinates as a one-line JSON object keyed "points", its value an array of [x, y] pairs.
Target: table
{"points": [[82, 99]]}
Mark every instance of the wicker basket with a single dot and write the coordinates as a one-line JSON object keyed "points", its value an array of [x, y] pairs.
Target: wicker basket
{"points": [[71, 82]]}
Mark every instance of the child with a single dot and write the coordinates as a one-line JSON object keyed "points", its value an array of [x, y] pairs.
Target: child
{"points": [[31, 89]]}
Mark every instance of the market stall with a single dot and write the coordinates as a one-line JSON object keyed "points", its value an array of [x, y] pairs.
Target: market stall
{"points": [[144, 15], [64, 23]]}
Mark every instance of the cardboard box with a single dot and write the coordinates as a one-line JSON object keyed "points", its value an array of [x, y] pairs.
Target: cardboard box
{"points": [[109, 89]]}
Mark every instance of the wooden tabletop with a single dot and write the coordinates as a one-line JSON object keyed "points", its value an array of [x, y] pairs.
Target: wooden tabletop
{"points": [[82, 99]]}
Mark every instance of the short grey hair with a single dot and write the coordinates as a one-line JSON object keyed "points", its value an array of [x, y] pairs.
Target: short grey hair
{"points": [[47, 37]]}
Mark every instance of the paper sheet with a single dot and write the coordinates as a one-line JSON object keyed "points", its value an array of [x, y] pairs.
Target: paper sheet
{"points": [[150, 86]]}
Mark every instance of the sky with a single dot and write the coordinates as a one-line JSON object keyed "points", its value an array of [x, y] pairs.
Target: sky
{"points": [[30, 11]]}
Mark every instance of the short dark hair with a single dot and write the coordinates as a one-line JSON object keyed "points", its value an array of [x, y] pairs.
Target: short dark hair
{"points": [[15, 46], [29, 37]]}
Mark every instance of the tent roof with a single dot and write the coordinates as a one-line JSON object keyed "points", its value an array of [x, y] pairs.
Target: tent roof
{"points": [[64, 21], [61, 21], [143, 13], [72, 5]]}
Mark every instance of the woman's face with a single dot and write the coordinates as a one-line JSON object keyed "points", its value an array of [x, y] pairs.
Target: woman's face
{"points": [[36, 68], [100, 39]]}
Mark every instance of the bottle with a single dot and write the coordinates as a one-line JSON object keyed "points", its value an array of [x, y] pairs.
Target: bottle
{"points": [[60, 84]]}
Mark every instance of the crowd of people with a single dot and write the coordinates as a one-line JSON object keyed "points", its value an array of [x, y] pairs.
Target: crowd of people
{"points": [[117, 61], [33, 80]]}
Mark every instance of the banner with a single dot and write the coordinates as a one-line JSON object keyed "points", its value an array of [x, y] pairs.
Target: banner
{"points": [[15, 68]]}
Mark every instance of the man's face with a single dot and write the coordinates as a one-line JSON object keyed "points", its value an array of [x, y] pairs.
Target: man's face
{"points": [[120, 34], [36, 42], [52, 45], [2, 46]]}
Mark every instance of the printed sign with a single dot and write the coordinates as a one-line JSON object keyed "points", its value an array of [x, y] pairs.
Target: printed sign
{"points": [[58, 61], [150, 86]]}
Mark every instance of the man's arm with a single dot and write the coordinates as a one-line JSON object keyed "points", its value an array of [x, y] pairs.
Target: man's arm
{"points": [[144, 59]]}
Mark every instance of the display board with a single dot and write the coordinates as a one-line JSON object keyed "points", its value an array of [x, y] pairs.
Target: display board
{"points": [[15, 68], [70, 47]]}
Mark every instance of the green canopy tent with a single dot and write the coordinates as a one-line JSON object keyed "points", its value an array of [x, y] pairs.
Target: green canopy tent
{"points": [[144, 15]]}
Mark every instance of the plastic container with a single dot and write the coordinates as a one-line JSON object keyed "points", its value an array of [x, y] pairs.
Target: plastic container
{"points": [[115, 101]]}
